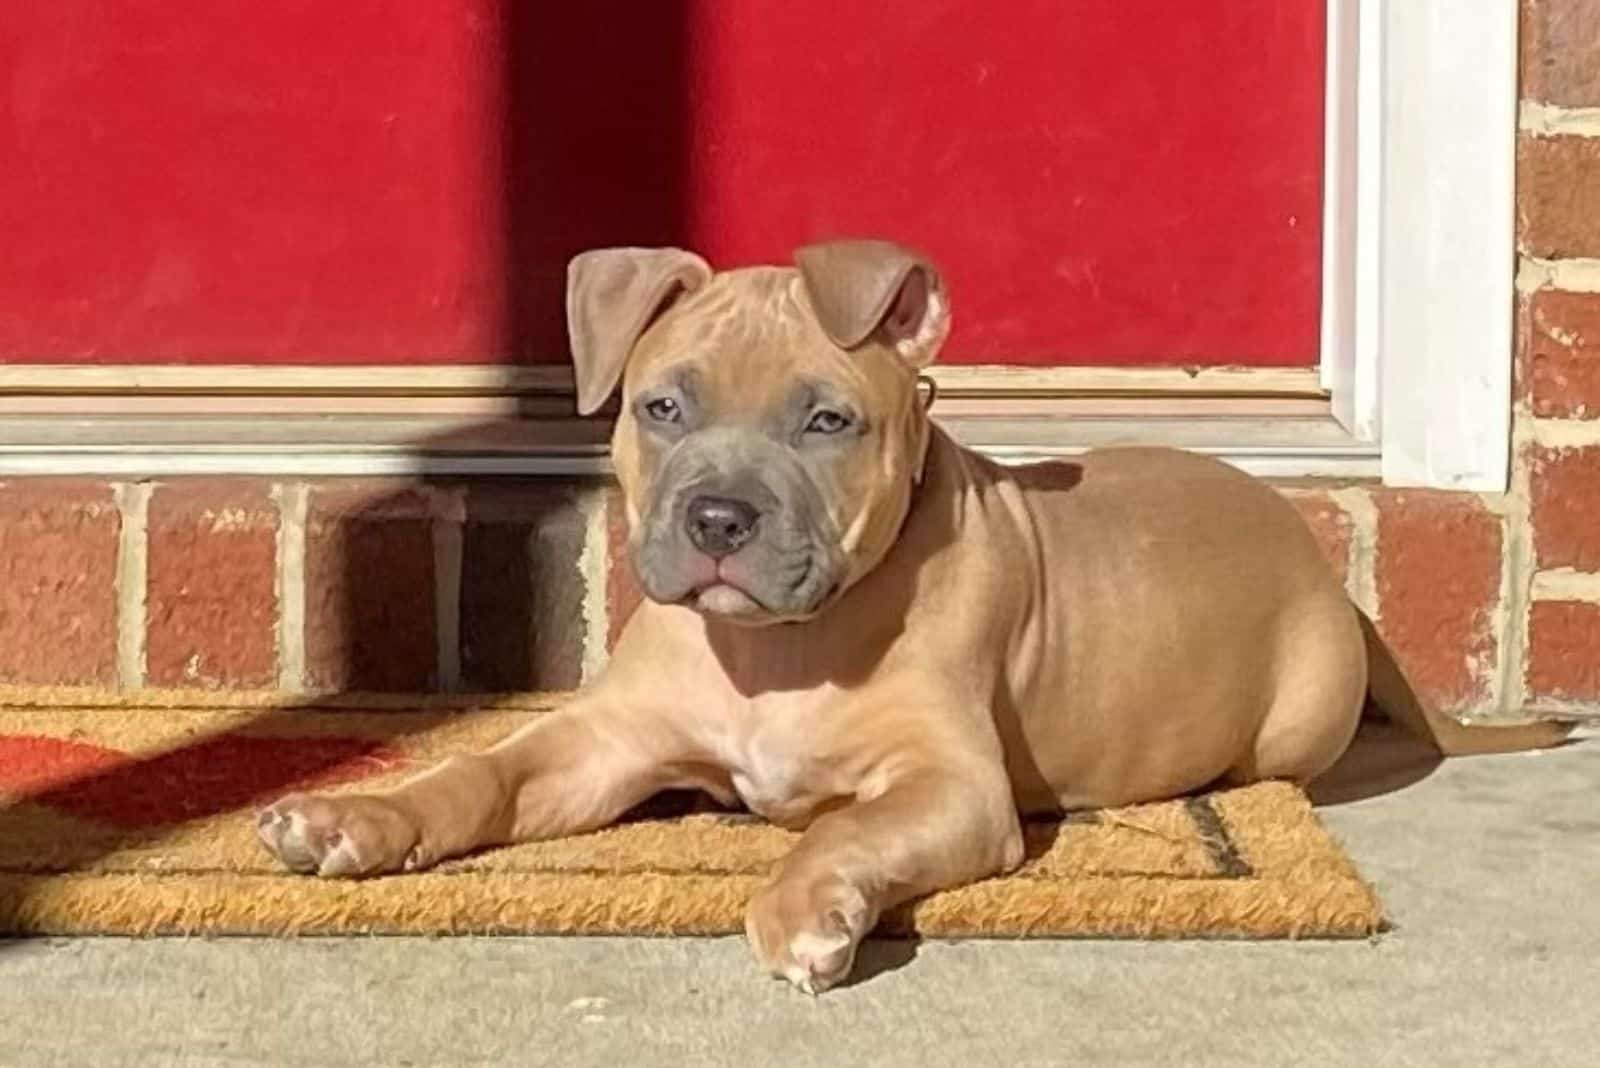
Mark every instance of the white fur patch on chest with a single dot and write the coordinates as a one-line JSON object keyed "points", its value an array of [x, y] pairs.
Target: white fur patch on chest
{"points": [[767, 773], [786, 756]]}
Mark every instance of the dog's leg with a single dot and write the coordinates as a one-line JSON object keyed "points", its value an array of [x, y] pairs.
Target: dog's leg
{"points": [[929, 831], [572, 770]]}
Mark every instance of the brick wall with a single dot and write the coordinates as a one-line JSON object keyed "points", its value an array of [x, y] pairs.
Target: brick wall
{"points": [[346, 585], [335, 586], [1492, 602], [1554, 559]]}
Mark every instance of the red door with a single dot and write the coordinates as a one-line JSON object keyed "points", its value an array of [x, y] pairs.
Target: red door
{"points": [[1104, 181]]}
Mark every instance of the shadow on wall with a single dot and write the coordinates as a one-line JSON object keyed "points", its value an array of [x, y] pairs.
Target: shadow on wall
{"points": [[442, 584], [594, 153], [595, 146]]}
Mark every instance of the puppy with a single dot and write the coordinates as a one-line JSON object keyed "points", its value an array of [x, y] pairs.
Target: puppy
{"points": [[857, 627]]}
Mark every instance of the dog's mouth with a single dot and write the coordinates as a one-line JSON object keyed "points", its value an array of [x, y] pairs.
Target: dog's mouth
{"points": [[722, 589], [725, 599], [725, 591]]}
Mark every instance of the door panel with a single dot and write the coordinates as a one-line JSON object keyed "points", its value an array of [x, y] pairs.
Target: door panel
{"points": [[1105, 181]]}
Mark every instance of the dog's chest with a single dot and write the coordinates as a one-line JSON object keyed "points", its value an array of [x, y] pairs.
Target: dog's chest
{"points": [[777, 774], [767, 777]]}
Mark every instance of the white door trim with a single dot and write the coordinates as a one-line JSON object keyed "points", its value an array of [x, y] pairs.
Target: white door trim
{"points": [[1419, 256]]}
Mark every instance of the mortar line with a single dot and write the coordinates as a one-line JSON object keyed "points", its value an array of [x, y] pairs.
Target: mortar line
{"points": [[1519, 556], [1361, 580], [1566, 584], [449, 537], [594, 573], [1564, 433], [1510, 619], [290, 584], [1570, 275], [132, 581], [1553, 120]]}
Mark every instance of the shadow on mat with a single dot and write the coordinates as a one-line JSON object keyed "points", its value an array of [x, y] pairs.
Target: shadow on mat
{"points": [[141, 799], [224, 772]]}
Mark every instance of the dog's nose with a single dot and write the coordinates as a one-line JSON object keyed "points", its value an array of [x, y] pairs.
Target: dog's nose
{"points": [[719, 526]]}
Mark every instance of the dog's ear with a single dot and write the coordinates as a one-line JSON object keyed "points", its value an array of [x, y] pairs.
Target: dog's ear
{"points": [[613, 294], [858, 287]]}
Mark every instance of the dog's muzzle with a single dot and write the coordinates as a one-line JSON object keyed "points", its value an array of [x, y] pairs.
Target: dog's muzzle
{"points": [[748, 539]]}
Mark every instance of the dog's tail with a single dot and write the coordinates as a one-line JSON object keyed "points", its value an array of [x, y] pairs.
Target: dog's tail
{"points": [[1394, 696]]}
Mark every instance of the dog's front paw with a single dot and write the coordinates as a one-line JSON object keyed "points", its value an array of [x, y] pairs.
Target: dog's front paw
{"points": [[344, 835], [807, 933]]}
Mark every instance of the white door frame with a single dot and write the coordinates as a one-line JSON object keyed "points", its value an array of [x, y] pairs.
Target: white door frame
{"points": [[1419, 252]]}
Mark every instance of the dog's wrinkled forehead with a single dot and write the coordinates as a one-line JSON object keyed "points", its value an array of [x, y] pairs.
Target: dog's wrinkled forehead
{"points": [[748, 334]]}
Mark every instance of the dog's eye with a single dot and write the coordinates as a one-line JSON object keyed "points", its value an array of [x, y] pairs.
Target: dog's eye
{"points": [[827, 421], [664, 410]]}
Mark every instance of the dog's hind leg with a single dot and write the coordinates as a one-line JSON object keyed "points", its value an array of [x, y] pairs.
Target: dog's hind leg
{"points": [[1319, 690]]}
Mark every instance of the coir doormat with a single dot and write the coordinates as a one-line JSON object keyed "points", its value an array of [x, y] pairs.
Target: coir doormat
{"points": [[139, 821]]}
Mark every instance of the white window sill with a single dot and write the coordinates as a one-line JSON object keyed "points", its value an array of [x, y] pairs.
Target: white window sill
{"points": [[167, 446]]}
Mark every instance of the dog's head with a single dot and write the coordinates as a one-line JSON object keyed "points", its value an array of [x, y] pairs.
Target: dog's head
{"points": [[772, 428]]}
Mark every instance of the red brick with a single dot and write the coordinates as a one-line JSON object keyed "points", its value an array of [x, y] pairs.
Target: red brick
{"points": [[1560, 354], [1558, 195], [1564, 651], [369, 589], [522, 591], [211, 602], [1560, 40], [1566, 507], [58, 577], [623, 594], [1330, 525], [1438, 575]]}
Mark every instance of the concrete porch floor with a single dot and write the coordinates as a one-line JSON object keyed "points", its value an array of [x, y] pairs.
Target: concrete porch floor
{"points": [[1490, 869]]}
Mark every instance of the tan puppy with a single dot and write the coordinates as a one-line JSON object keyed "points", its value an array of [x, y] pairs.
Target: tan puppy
{"points": [[857, 627]]}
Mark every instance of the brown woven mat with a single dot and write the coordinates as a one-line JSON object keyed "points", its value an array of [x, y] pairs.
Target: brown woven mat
{"points": [[138, 820]]}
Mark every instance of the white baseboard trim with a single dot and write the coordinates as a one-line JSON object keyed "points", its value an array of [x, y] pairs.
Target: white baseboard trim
{"points": [[1290, 447]]}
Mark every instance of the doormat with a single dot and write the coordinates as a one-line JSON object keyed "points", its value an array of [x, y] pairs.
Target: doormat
{"points": [[126, 820]]}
